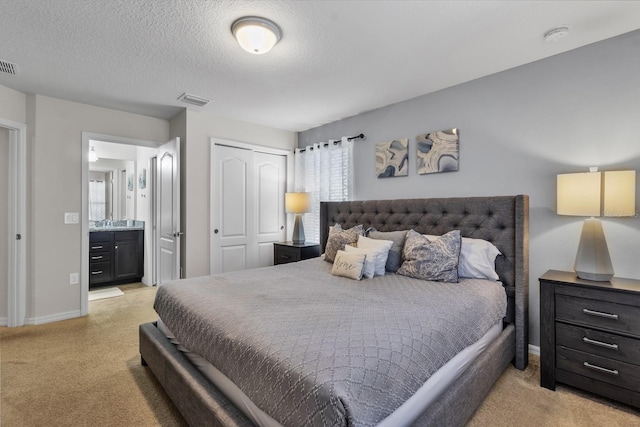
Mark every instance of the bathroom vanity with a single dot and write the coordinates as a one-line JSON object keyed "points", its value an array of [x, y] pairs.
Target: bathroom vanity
{"points": [[116, 253]]}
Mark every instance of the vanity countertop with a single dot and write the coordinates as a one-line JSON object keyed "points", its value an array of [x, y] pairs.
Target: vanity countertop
{"points": [[119, 225]]}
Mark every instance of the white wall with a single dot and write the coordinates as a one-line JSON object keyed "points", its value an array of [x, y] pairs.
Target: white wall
{"points": [[197, 129], [518, 130], [12, 105], [4, 223]]}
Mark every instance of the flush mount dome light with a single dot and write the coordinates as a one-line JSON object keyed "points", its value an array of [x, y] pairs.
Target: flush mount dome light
{"points": [[256, 35]]}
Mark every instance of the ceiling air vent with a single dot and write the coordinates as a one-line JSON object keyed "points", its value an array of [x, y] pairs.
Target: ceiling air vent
{"points": [[8, 67], [193, 100]]}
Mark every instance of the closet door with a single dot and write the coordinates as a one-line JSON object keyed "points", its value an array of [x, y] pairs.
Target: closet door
{"points": [[232, 195], [247, 194], [270, 184]]}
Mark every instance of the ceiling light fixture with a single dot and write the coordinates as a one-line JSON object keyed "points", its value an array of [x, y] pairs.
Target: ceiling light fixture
{"points": [[256, 35], [555, 34]]}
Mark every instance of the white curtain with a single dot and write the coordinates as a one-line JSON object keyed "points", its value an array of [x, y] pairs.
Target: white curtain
{"points": [[97, 203], [327, 173]]}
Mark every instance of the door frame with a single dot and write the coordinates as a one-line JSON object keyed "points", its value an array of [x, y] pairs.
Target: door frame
{"points": [[17, 270], [212, 174], [84, 246]]}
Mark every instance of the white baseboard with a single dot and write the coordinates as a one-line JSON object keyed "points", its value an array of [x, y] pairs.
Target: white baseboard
{"points": [[52, 318], [534, 349]]}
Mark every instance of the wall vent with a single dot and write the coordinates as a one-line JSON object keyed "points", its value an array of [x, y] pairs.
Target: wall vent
{"points": [[8, 67], [193, 99]]}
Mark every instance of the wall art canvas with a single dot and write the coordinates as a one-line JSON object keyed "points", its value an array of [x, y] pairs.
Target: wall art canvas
{"points": [[437, 151], [130, 182], [392, 158]]}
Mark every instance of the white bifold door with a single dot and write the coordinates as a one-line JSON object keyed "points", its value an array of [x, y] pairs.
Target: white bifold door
{"points": [[247, 206]]}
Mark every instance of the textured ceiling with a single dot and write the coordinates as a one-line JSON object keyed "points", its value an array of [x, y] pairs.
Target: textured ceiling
{"points": [[336, 58]]}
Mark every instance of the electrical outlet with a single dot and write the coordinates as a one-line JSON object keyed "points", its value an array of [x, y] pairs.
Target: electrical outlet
{"points": [[73, 279]]}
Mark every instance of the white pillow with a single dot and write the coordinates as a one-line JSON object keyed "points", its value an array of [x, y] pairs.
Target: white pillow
{"points": [[369, 262], [348, 265], [477, 258], [381, 247]]}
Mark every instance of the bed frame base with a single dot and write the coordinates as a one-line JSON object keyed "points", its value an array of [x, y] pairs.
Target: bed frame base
{"points": [[202, 404]]}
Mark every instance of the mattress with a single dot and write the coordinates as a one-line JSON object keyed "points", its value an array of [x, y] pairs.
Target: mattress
{"points": [[309, 348]]}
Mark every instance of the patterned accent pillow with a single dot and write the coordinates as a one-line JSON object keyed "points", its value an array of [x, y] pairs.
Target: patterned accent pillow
{"points": [[349, 264], [394, 259], [338, 238], [477, 258], [437, 260]]}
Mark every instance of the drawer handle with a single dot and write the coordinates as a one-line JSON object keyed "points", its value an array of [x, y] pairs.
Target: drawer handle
{"points": [[96, 247], [285, 256], [600, 343], [96, 272], [600, 368], [96, 257], [600, 314]]}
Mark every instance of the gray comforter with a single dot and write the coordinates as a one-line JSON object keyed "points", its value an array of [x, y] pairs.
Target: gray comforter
{"points": [[310, 348]]}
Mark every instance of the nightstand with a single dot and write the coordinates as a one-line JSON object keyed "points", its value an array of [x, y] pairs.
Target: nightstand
{"points": [[285, 252], [590, 335]]}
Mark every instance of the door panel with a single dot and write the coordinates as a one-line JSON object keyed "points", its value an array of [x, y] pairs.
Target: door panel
{"points": [[270, 178], [247, 207], [168, 214], [233, 199]]}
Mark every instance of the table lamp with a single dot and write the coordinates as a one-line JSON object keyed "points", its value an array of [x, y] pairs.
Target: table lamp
{"points": [[297, 203], [595, 194]]}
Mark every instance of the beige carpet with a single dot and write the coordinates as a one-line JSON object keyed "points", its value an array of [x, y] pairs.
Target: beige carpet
{"points": [[87, 372]]}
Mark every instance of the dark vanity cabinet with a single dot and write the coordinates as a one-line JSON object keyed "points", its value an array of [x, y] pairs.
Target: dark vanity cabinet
{"points": [[115, 257]]}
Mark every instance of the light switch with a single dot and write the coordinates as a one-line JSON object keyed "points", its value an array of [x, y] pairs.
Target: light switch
{"points": [[71, 217]]}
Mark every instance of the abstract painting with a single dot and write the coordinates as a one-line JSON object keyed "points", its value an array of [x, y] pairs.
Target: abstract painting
{"points": [[392, 158], [437, 151]]}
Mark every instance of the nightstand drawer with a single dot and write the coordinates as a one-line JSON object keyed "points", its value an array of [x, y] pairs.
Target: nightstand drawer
{"points": [[599, 368], [599, 314], [285, 255], [599, 343]]}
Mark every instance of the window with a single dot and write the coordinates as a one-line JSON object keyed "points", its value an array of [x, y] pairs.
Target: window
{"points": [[97, 202], [325, 171]]}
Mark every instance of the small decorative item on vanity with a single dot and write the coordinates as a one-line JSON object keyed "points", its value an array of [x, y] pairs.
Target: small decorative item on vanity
{"points": [[596, 194], [297, 203], [437, 151], [392, 158]]}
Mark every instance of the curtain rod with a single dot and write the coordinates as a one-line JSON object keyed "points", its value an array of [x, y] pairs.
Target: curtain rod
{"points": [[336, 141]]}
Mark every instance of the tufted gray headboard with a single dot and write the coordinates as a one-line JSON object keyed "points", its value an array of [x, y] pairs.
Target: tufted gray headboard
{"points": [[502, 220]]}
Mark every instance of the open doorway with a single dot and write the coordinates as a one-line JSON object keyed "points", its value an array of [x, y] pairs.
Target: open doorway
{"points": [[120, 212], [13, 222]]}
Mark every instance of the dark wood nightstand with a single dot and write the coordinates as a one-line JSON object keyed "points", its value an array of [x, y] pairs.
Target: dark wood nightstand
{"points": [[285, 252], [590, 335]]}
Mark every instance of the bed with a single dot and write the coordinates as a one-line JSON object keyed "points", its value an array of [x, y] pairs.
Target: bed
{"points": [[502, 220]]}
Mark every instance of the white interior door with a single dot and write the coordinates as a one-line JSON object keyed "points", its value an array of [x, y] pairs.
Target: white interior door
{"points": [[168, 211], [247, 198], [233, 200], [270, 182]]}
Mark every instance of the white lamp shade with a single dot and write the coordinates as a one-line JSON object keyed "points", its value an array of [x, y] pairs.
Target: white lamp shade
{"points": [[297, 202], [619, 193], [256, 35], [579, 194]]}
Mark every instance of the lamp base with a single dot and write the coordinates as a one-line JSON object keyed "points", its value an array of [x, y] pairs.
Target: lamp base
{"points": [[592, 260], [298, 231]]}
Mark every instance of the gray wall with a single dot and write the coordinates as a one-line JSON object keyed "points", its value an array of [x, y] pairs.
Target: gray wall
{"points": [[518, 129]]}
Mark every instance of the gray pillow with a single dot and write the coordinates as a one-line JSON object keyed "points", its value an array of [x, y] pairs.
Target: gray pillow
{"points": [[437, 260], [394, 260], [338, 238]]}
